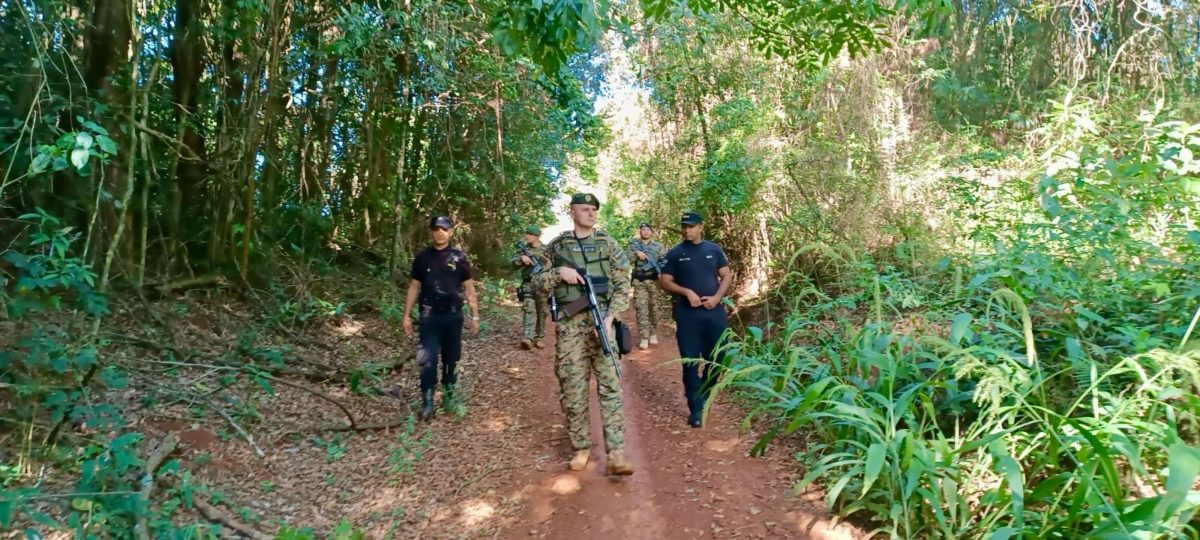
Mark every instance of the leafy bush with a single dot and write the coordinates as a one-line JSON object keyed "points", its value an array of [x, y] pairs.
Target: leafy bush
{"points": [[1041, 384]]}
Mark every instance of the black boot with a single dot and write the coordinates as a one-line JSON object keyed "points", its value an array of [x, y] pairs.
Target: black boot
{"points": [[694, 410], [426, 405]]}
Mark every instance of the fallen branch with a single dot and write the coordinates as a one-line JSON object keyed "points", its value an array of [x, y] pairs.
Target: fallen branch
{"points": [[213, 513], [350, 416], [152, 463], [166, 289], [147, 344], [245, 435], [388, 424]]}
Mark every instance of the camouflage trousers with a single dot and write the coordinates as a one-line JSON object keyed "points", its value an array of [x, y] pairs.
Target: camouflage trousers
{"points": [[535, 310], [578, 355], [648, 303]]}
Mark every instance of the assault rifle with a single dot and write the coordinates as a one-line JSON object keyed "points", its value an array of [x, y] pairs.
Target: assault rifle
{"points": [[537, 264], [649, 264], [588, 301]]}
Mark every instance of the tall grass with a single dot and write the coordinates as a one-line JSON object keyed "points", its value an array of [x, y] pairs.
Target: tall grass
{"points": [[958, 436]]}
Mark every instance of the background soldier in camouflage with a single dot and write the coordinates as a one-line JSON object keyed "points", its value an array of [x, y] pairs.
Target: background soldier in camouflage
{"points": [[578, 353], [647, 295], [533, 301]]}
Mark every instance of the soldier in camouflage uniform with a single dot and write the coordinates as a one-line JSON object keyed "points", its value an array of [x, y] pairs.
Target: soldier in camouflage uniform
{"points": [[578, 353], [533, 301], [646, 294]]}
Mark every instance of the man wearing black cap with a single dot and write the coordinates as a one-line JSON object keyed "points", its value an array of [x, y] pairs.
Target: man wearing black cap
{"points": [[440, 274], [697, 274], [646, 256]]}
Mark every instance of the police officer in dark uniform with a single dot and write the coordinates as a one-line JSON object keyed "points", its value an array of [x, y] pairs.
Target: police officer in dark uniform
{"points": [[697, 274], [440, 274]]}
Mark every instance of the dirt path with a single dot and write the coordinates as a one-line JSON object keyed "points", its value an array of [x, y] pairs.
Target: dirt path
{"points": [[689, 483], [499, 472]]}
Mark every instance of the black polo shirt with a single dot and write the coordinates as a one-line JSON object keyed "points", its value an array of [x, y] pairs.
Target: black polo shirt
{"points": [[441, 273], [694, 266]]}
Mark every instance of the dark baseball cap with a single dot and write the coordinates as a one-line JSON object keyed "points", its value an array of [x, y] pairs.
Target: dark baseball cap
{"points": [[690, 218], [645, 225], [585, 198], [442, 222]]}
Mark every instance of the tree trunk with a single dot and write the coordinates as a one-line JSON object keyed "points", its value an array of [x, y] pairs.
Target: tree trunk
{"points": [[190, 160]]}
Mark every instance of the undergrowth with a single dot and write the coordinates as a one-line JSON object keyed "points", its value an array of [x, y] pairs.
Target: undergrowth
{"points": [[1039, 381]]}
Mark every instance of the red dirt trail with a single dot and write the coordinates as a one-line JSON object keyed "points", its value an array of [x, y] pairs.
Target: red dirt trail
{"points": [[689, 483]]}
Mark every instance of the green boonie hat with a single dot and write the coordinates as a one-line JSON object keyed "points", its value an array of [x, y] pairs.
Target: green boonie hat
{"points": [[534, 230], [585, 198]]}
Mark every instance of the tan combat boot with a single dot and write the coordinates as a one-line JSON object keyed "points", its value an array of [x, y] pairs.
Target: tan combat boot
{"points": [[644, 344], [580, 460], [617, 464], [654, 339], [526, 344], [537, 343]]}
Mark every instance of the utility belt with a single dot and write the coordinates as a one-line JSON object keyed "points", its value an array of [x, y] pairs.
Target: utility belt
{"points": [[441, 309], [644, 275]]}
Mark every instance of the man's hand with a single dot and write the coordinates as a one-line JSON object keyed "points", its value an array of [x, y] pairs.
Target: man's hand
{"points": [[608, 328], [474, 326], [693, 298], [641, 256], [407, 325], [710, 302], [526, 261], [570, 276]]}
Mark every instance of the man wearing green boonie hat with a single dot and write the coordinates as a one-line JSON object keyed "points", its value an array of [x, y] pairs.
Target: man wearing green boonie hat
{"points": [[533, 302]]}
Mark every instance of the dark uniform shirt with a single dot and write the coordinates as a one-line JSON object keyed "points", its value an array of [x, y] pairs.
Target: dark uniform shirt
{"points": [[694, 266], [441, 273]]}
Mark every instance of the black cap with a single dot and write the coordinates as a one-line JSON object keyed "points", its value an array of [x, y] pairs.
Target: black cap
{"points": [[441, 222], [645, 225], [690, 218], [585, 198]]}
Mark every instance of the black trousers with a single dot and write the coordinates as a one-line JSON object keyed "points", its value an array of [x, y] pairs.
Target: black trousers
{"points": [[697, 333], [439, 334]]}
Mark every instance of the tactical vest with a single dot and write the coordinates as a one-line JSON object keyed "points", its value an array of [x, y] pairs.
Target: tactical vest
{"points": [[598, 250]]}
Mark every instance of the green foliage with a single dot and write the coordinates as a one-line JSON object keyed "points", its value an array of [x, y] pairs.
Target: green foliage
{"points": [[1030, 386], [44, 362], [409, 448], [105, 500]]}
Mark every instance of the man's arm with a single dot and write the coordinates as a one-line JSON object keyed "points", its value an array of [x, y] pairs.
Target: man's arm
{"points": [[723, 277], [410, 298], [619, 283], [472, 299], [549, 279], [667, 283]]}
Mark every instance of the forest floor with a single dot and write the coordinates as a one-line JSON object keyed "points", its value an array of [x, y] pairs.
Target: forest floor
{"points": [[498, 472]]}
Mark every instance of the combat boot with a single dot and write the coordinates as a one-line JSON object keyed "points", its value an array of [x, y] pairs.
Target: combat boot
{"points": [[580, 460], [644, 344], [654, 339], [526, 344], [617, 464], [537, 343], [426, 405]]}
